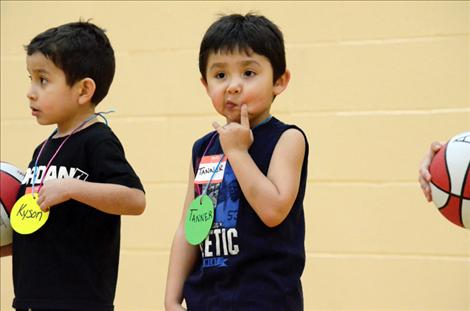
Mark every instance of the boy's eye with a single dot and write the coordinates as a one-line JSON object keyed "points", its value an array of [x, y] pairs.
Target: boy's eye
{"points": [[43, 81], [249, 73], [220, 75]]}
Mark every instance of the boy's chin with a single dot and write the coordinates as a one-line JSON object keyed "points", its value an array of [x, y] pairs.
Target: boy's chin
{"points": [[43, 122], [233, 117], [230, 120]]}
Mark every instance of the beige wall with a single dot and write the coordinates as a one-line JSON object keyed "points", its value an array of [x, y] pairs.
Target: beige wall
{"points": [[373, 83]]}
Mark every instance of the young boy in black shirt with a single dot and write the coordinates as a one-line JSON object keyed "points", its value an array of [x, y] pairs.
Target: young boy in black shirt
{"points": [[79, 174]]}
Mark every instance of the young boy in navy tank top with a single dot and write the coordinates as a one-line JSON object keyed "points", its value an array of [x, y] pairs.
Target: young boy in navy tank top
{"points": [[254, 169]]}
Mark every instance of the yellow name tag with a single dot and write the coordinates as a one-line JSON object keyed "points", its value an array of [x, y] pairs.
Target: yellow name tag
{"points": [[26, 216]]}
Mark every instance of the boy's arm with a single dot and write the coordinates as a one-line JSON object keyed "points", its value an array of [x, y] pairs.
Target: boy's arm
{"points": [[182, 257], [271, 196], [109, 198], [6, 250]]}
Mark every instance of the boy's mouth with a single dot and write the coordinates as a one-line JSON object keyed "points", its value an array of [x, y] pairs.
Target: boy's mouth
{"points": [[231, 105], [34, 111]]}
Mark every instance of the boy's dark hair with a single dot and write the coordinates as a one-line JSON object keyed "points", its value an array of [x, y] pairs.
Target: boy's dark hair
{"points": [[82, 50], [248, 33]]}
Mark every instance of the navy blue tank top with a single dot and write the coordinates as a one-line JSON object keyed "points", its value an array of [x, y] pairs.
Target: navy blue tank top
{"points": [[244, 264]]}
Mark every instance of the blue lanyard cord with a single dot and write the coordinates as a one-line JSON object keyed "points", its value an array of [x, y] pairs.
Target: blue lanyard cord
{"points": [[213, 173], [102, 113], [211, 141]]}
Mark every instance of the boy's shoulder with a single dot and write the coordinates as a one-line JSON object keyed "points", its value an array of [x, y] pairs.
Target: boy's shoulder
{"points": [[97, 136], [97, 130], [205, 137], [276, 126], [269, 135], [203, 141]]}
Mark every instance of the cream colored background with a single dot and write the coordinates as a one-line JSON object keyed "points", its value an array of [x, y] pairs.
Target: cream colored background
{"points": [[373, 83]]}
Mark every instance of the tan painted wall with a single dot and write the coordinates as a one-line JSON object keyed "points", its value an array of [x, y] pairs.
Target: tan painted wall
{"points": [[373, 83]]}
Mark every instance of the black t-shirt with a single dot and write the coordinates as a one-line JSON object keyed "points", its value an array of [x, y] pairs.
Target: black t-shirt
{"points": [[245, 265], [72, 261]]}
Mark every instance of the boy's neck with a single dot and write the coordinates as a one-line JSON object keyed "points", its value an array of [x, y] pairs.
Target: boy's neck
{"points": [[66, 128], [265, 117]]}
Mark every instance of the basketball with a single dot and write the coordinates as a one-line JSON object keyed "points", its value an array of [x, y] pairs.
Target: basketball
{"points": [[10, 182], [450, 180]]}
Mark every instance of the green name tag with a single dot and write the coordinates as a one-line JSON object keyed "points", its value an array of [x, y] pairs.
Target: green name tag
{"points": [[199, 219]]}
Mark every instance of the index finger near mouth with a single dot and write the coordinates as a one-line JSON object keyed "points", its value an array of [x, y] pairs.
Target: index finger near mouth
{"points": [[244, 120]]}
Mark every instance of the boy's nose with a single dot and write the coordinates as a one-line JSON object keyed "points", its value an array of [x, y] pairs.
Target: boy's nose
{"points": [[234, 87], [31, 95]]}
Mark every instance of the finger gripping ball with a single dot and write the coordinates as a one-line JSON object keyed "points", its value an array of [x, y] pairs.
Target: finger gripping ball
{"points": [[450, 181]]}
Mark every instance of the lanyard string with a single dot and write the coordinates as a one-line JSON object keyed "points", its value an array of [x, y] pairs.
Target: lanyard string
{"points": [[213, 173], [211, 141], [35, 168]]}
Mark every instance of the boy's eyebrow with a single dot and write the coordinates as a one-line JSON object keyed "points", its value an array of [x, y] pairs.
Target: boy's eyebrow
{"points": [[40, 70], [243, 63], [217, 65], [250, 62]]}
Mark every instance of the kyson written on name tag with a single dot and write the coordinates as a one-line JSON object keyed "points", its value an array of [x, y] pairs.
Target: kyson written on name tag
{"points": [[26, 216]]}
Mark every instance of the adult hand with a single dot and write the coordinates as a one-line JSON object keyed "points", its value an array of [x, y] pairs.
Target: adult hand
{"points": [[424, 175]]}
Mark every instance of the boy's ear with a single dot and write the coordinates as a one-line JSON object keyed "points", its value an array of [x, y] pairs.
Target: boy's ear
{"points": [[86, 89], [204, 82], [281, 84]]}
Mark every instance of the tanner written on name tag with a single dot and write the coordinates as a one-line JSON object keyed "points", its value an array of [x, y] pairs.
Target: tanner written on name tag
{"points": [[207, 167]]}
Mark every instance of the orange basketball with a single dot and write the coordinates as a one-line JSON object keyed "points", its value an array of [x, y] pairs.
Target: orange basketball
{"points": [[450, 180]]}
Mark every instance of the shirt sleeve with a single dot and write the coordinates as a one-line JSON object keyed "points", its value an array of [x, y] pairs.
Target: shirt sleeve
{"points": [[109, 164]]}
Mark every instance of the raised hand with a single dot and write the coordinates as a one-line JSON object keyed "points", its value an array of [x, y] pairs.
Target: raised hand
{"points": [[235, 137]]}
